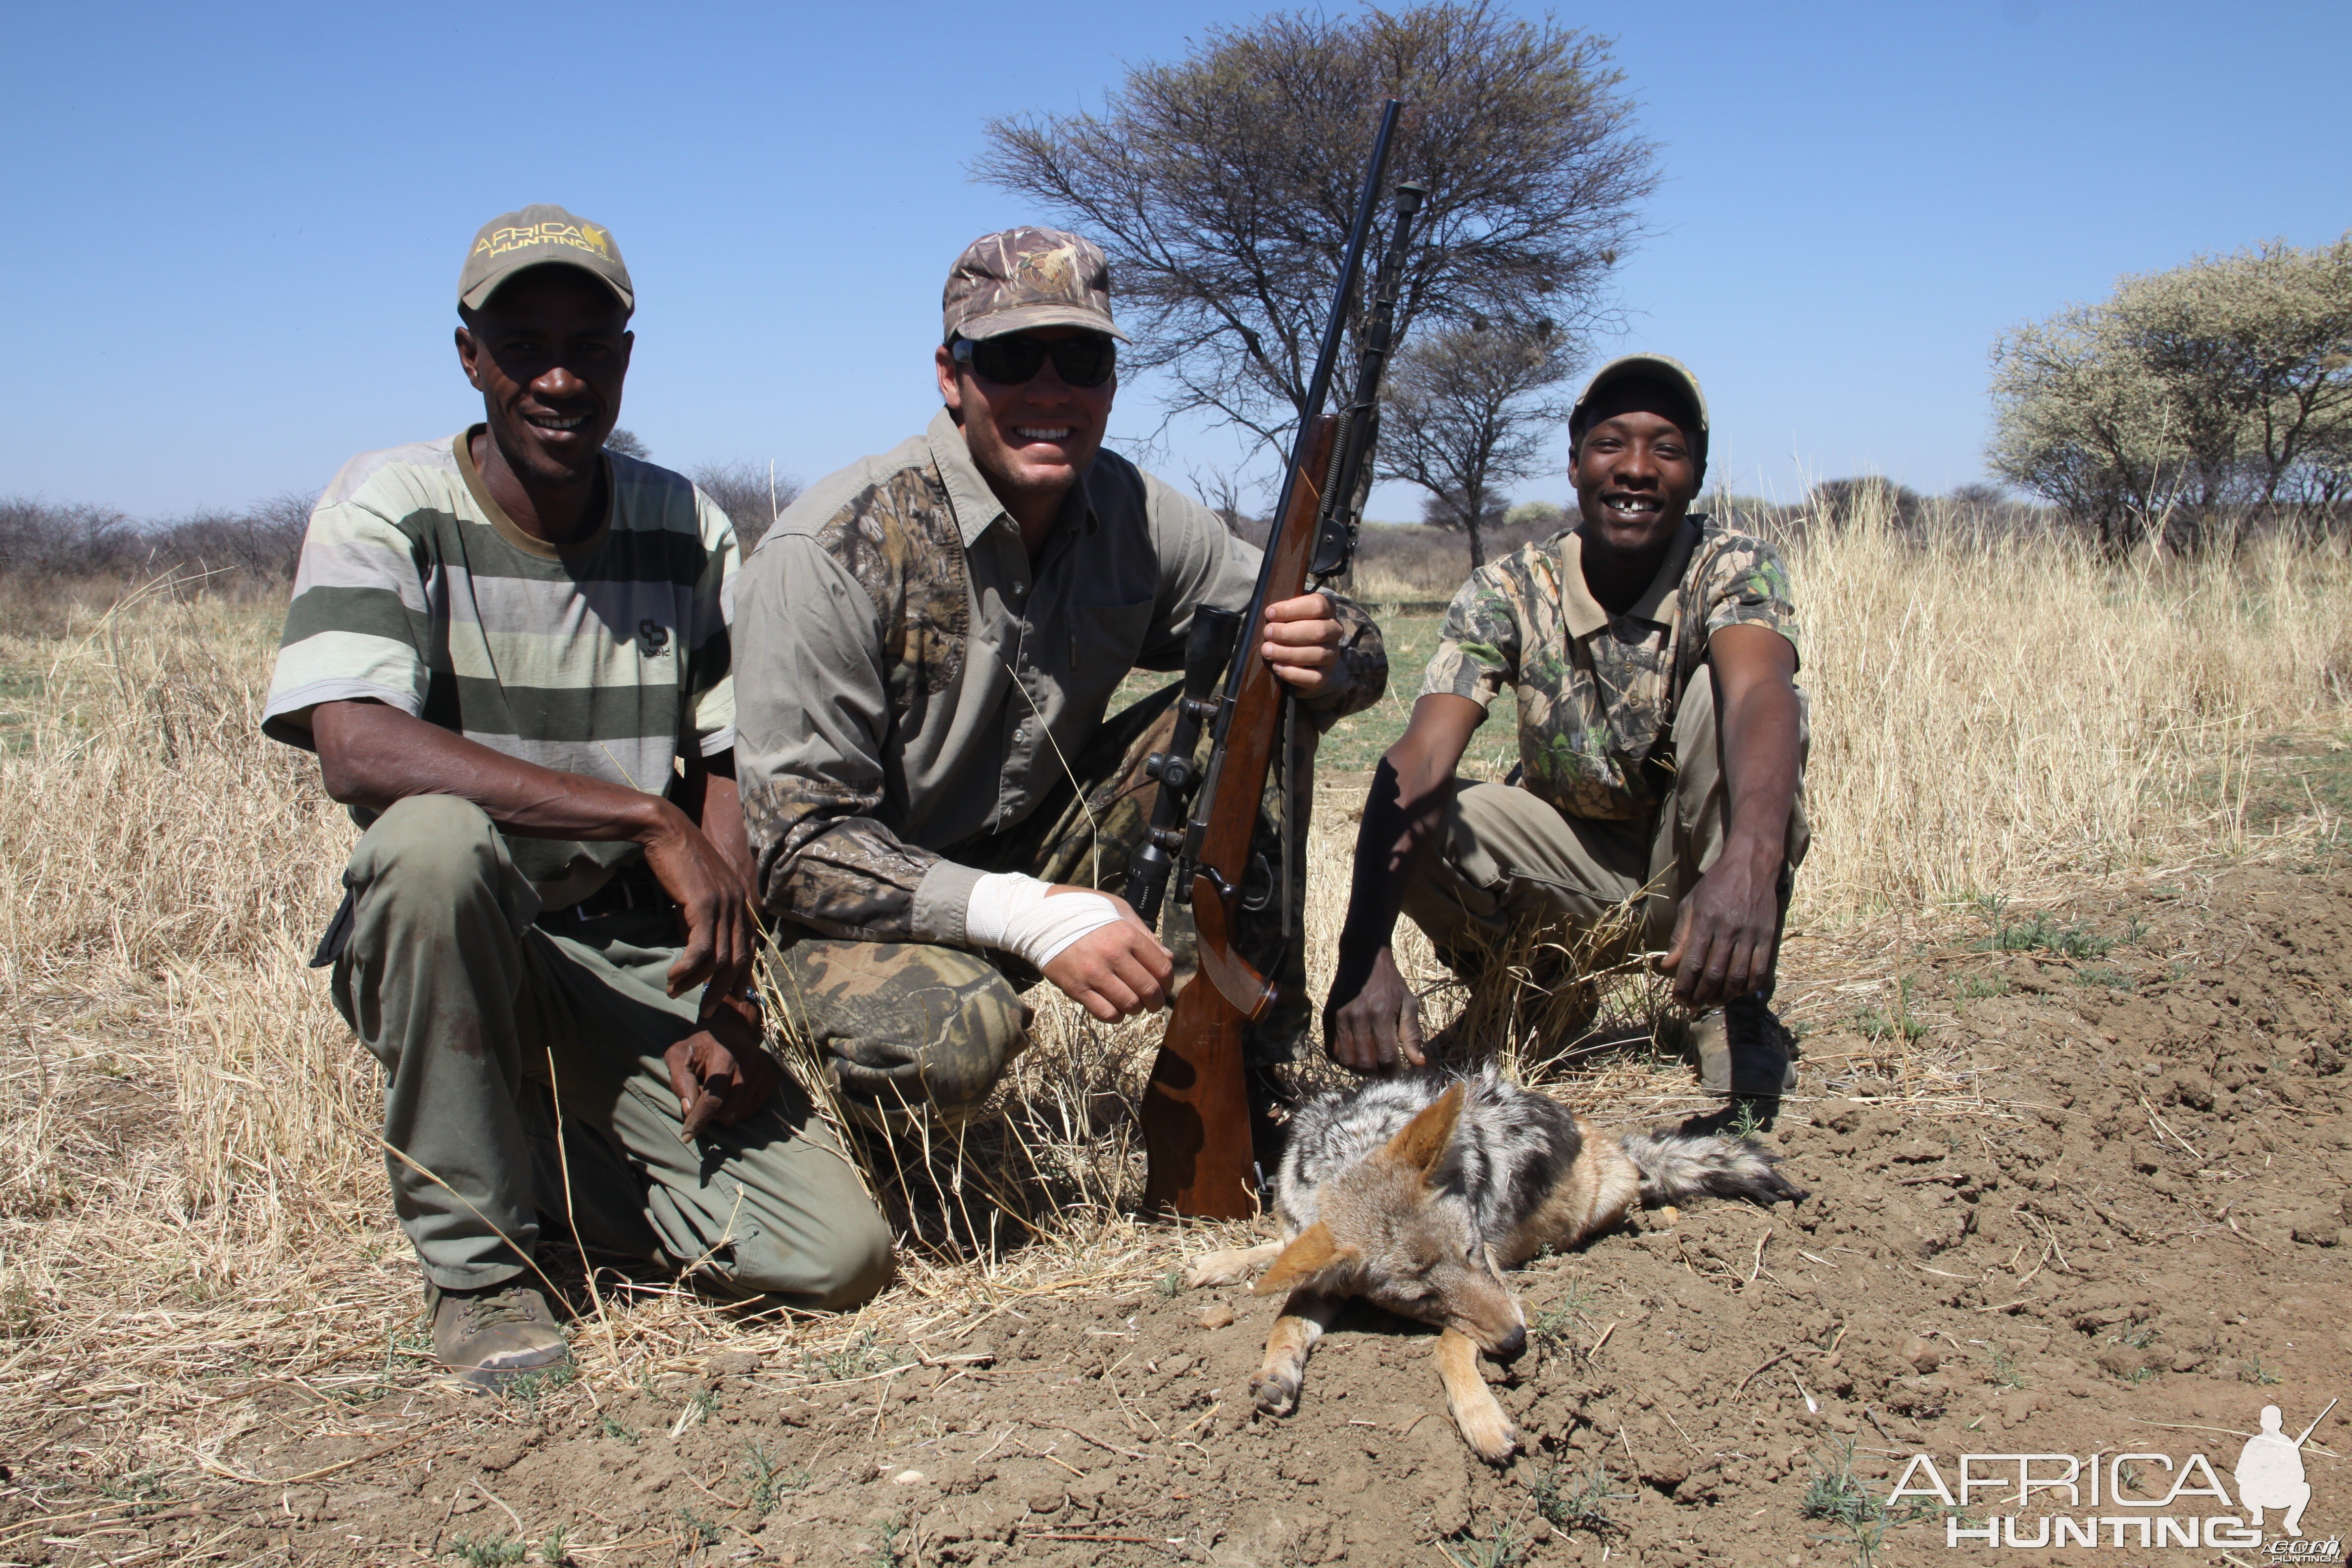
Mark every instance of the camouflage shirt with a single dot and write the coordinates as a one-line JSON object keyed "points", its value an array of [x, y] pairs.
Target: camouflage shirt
{"points": [[908, 680], [1597, 691]]}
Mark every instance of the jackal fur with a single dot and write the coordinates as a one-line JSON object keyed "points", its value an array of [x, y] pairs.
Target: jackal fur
{"points": [[1417, 1192]]}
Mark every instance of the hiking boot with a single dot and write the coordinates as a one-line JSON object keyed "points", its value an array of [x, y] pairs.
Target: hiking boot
{"points": [[493, 1336], [1743, 1050]]}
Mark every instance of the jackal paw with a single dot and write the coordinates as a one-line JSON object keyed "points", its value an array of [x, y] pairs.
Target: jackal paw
{"points": [[1488, 1432], [1230, 1266], [1275, 1394]]}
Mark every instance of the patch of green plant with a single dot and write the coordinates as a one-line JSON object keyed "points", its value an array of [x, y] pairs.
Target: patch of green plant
{"points": [[2005, 1371], [529, 1389], [885, 1551], [1834, 1494], [1877, 1022], [1745, 1118], [1568, 1500], [143, 1490], [2042, 934], [610, 1426], [856, 1359], [769, 1483], [1976, 987], [2141, 1375], [1498, 1551], [699, 1531], [1172, 1283], [2258, 1374], [2105, 974], [489, 1550], [2138, 1339], [555, 1549]]}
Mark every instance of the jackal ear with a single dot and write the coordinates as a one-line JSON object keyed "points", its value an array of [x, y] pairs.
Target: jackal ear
{"points": [[1421, 1143], [1311, 1252]]}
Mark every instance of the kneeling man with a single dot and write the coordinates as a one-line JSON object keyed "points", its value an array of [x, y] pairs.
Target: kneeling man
{"points": [[931, 639], [1662, 745], [510, 649]]}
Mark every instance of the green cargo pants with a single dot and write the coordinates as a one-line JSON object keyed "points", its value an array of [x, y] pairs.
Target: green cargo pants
{"points": [[484, 1014], [1508, 862], [916, 1025]]}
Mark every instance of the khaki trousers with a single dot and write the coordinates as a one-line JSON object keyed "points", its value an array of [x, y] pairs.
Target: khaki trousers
{"points": [[916, 1025], [486, 1013], [1507, 863]]}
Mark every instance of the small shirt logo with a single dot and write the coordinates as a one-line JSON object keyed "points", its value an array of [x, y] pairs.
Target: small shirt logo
{"points": [[652, 637]]}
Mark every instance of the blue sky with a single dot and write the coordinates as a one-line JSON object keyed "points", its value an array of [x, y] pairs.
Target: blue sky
{"points": [[233, 233]]}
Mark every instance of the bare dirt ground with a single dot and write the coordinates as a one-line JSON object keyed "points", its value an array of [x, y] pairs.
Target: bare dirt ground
{"points": [[2078, 1182]]}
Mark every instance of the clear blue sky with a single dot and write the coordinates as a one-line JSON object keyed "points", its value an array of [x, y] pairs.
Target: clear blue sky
{"points": [[234, 232]]}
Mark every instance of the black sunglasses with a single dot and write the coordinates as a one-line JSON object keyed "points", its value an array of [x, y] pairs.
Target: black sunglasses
{"points": [[1010, 361]]}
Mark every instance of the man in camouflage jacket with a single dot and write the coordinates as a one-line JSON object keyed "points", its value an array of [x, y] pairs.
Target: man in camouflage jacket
{"points": [[929, 642], [1658, 800]]}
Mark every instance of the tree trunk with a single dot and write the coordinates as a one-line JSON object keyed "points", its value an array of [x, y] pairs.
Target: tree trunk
{"points": [[1474, 501]]}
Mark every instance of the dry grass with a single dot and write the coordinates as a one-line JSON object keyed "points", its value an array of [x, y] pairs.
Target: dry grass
{"points": [[195, 1224]]}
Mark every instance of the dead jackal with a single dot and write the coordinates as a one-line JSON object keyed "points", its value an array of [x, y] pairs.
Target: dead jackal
{"points": [[1417, 1192]]}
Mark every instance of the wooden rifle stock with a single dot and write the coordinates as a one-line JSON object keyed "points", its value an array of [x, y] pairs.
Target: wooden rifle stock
{"points": [[1196, 1113], [1196, 1110]]}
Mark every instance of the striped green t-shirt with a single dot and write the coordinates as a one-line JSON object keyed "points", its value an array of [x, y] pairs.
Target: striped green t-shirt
{"points": [[604, 657]]}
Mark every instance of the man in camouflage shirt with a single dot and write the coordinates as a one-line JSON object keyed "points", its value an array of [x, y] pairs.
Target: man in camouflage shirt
{"points": [[928, 644], [1657, 803]]}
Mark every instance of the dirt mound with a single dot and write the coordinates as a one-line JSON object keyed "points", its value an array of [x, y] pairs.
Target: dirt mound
{"points": [[2078, 1188]]}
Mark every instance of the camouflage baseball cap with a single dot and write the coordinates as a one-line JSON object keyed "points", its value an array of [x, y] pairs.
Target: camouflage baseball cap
{"points": [[1643, 367], [1025, 278], [539, 234]]}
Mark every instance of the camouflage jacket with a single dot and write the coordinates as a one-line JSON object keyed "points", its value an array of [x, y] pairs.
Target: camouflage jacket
{"points": [[908, 682], [1597, 692]]}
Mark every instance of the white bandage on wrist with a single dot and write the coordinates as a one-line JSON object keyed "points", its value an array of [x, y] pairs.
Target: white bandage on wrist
{"points": [[1011, 912]]}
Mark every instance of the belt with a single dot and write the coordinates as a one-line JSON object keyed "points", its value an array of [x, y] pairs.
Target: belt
{"points": [[632, 889]]}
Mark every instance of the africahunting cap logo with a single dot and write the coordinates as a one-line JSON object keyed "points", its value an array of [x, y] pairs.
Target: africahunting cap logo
{"points": [[535, 237], [2139, 1501]]}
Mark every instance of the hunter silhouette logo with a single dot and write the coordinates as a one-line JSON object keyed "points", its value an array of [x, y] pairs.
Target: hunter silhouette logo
{"points": [[2145, 1499], [2270, 1471], [653, 637]]}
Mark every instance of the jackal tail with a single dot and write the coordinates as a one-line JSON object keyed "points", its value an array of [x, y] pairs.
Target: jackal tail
{"points": [[1679, 1166]]}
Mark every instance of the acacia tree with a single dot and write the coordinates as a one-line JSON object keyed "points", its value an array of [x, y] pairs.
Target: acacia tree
{"points": [[2221, 390], [1221, 186], [1466, 413]]}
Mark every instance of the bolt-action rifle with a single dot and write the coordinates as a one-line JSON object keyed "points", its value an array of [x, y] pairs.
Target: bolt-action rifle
{"points": [[1196, 1110]]}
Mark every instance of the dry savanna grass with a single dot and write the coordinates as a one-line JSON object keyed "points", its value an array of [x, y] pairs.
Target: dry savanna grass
{"points": [[196, 1223]]}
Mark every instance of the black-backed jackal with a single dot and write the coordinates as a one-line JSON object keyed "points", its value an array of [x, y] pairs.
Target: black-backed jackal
{"points": [[1416, 1193]]}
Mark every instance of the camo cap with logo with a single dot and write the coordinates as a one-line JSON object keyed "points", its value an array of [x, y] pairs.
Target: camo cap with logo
{"points": [[1025, 278], [537, 235]]}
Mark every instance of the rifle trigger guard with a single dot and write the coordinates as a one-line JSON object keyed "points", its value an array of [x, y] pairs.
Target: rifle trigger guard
{"points": [[1264, 880]]}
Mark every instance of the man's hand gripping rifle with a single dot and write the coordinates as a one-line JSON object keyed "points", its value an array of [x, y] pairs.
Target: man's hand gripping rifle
{"points": [[1196, 1110]]}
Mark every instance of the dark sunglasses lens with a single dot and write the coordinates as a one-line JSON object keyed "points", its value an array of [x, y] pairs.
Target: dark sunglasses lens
{"points": [[1011, 361], [1084, 361]]}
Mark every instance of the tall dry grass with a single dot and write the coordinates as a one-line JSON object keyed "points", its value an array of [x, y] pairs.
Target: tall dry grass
{"points": [[191, 1202]]}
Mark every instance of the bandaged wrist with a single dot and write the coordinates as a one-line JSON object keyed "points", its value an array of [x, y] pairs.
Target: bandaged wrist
{"points": [[1012, 913]]}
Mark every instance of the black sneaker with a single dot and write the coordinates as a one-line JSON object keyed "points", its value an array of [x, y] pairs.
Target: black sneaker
{"points": [[493, 1336], [1744, 1051]]}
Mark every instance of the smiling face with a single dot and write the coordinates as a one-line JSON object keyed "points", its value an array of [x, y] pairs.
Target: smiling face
{"points": [[1635, 472], [1032, 440], [549, 352]]}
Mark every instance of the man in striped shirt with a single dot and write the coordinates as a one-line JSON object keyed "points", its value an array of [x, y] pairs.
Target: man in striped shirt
{"points": [[510, 650]]}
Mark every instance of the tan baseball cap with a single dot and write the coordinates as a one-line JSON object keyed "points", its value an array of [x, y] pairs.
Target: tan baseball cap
{"points": [[537, 235], [1643, 367], [1024, 278]]}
